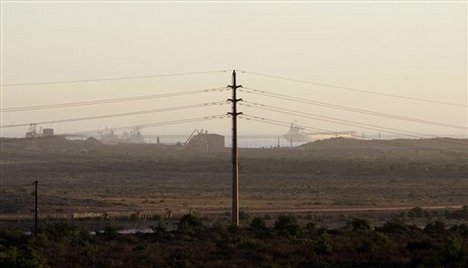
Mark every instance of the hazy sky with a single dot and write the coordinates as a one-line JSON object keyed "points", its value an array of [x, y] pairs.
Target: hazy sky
{"points": [[411, 49]]}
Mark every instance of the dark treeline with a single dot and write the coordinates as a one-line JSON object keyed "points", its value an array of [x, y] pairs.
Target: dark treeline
{"points": [[195, 243]]}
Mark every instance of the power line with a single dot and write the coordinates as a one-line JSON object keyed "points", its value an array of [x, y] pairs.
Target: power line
{"points": [[150, 125], [342, 121], [109, 79], [281, 123], [356, 89], [105, 101], [322, 118], [348, 108], [286, 124], [120, 114]]}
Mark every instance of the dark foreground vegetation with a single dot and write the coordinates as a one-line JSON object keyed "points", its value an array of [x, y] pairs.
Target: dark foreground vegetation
{"points": [[193, 243]]}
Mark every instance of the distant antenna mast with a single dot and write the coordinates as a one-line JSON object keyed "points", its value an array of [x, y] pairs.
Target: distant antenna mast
{"points": [[235, 158]]}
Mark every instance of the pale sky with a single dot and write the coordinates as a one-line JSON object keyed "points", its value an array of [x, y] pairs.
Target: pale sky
{"points": [[412, 49]]}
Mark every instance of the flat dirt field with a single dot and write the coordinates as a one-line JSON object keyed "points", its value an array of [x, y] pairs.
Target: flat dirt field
{"points": [[334, 175]]}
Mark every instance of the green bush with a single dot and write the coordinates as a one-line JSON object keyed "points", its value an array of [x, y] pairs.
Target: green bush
{"points": [[233, 228], [289, 224], [12, 237], [110, 232], [394, 226], [60, 231], [22, 258], [359, 225], [258, 223], [436, 227], [190, 221], [247, 245], [459, 214], [284, 221], [161, 227], [310, 227], [294, 230], [452, 251], [418, 212], [323, 244], [243, 215]]}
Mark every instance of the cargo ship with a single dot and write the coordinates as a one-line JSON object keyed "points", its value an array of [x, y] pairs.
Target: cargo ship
{"points": [[297, 133]]}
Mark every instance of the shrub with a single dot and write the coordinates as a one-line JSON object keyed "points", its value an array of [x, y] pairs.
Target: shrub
{"points": [[59, 231], [323, 244], [461, 229], [161, 227], [418, 245], [247, 245], [25, 257], [258, 223], [452, 250], [436, 227], [111, 232], [284, 221], [310, 227], [233, 228], [294, 229], [244, 216], [394, 226], [289, 224], [418, 212], [190, 221], [359, 225], [11, 236], [459, 214]]}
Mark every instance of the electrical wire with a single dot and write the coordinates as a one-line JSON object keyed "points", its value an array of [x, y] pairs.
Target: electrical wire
{"points": [[342, 121], [325, 118], [150, 125], [105, 101], [286, 124], [348, 108], [120, 114], [355, 89], [109, 79]]}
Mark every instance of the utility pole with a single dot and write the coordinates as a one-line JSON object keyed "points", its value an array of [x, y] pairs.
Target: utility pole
{"points": [[35, 209], [235, 158]]}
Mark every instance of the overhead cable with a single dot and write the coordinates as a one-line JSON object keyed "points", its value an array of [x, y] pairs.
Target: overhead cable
{"points": [[356, 89]]}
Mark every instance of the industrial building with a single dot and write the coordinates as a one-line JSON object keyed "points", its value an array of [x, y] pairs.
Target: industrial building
{"points": [[205, 142]]}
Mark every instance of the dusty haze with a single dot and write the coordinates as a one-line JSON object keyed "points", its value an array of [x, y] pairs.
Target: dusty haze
{"points": [[411, 49]]}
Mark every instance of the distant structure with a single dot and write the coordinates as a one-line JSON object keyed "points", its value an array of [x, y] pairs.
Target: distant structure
{"points": [[107, 136], [205, 142], [297, 134], [47, 132], [134, 136], [34, 131]]}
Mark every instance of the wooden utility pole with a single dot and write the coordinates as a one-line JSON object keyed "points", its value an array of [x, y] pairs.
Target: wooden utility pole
{"points": [[235, 157], [35, 209]]}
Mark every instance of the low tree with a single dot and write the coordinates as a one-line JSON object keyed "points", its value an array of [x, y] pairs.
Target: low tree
{"points": [[284, 221], [289, 224], [359, 225], [323, 244], [435, 227], [394, 226], [190, 221], [258, 223]]}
